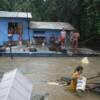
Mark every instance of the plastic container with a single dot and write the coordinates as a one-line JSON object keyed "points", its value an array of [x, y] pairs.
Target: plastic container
{"points": [[81, 85]]}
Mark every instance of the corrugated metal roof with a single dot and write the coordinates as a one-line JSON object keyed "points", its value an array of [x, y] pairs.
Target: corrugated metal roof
{"points": [[15, 14], [50, 25]]}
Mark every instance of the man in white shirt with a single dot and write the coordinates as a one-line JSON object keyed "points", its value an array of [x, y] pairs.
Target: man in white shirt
{"points": [[63, 38]]}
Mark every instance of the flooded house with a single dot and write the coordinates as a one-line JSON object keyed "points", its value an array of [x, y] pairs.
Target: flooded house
{"points": [[15, 23], [19, 25], [22, 28], [41, 31]]}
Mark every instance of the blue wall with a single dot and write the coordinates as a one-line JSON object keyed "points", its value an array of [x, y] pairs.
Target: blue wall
{"points": [[4, 28], [48, 33]]}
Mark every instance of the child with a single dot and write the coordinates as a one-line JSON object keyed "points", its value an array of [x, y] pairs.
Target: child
{"points": [[76, 74]]}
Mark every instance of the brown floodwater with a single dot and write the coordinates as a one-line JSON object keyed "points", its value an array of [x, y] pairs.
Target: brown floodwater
{"points": [[42, 69]]}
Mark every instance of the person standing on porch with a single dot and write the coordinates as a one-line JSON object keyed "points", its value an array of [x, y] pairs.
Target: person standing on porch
{"points": [[20, 39], [10, 34], [19, 28], [75, 38], [63, 35]]}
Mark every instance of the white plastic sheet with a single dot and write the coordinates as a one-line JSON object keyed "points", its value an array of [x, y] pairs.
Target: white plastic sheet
{"points": [[15, 86]]}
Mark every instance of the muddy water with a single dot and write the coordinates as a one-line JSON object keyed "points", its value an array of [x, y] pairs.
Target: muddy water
{"points": [[40, 70]]}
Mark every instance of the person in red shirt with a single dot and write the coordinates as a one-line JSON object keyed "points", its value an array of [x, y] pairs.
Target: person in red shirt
{"points": [[63, 37]]}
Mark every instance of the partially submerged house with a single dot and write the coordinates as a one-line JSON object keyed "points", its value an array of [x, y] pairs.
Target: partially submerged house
{"points": [[17, 22], [44, 30]]}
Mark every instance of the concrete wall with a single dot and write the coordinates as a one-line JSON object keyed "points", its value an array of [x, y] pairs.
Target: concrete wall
{"points": [[4, 28]]}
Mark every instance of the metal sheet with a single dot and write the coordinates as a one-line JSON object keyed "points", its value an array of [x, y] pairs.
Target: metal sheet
{"points": [[51, 25], [15, 14]]}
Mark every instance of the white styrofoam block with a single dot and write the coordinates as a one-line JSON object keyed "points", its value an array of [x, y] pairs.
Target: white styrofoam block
{"points": [[4, 84], [21, 79], [20, 89], [16, 95], [15, 86], [3, 92], [4, 88], [81, 84], [9, 75]]}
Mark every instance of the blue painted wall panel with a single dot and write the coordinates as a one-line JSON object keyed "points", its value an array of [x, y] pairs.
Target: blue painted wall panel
{"points": [[31, 34], [49, 34], [4, 29]]}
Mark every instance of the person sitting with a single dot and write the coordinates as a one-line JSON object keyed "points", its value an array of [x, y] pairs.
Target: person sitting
{"points": [[75, 76]]}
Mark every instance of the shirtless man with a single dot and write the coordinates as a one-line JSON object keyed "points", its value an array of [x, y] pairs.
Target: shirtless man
{"points": [[75, 39]]}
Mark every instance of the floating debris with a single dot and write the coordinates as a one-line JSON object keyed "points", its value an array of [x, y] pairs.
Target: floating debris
{"points": [[85, 60], [52, 83]]}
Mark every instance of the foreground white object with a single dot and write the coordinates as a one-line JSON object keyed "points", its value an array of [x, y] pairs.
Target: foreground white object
{"points": [[81, 84], [52, 83], [14, 86], [85, 60]]}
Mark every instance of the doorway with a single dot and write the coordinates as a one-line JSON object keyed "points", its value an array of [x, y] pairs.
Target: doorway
{"points": [[39, 37], [15, 29]]}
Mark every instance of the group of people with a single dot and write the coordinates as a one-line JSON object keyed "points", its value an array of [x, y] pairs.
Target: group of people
{"points": [[69, 38], [66, 39]]}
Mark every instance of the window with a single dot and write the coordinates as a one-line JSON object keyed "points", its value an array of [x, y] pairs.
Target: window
{"points": [[14, 28], [39, 34], [39, 37]]}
